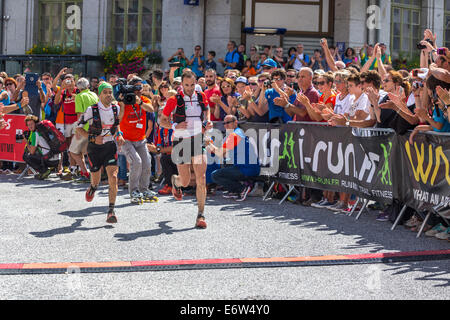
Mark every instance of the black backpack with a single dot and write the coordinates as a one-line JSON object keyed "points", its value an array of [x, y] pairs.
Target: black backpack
{"points": [[241, 64], [180, 111], [96, 128]]}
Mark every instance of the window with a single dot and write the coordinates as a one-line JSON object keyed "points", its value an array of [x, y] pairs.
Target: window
{"points": [[447, 25], [60, 24], [136, 23], [405, 26]]}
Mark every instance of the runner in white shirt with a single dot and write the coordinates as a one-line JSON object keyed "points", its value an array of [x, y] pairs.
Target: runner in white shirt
{"points": [[189, 117], [102, 149]]}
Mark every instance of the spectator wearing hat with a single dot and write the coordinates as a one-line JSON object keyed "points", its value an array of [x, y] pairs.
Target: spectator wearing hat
{"points": [[269, 66], [244, 96]]}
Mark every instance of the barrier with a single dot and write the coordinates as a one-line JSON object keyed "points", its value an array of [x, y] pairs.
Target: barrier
{"points": [[374, 164], [12, 143]]}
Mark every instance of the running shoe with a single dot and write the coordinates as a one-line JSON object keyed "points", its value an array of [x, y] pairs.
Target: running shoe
{"points": [[243, 195], [200, 223], [319, 204], [90, 193], [444, 235], [111, 216], [165, 191], [176, 191], [382, 217], [435, 230]]}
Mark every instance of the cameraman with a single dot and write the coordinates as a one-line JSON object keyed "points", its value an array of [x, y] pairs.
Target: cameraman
{"points": [[133, 119]]}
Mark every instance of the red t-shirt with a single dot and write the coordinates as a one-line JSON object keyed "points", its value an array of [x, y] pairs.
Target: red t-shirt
{"points": [[212, 105], [68, 107], [133, 124]]}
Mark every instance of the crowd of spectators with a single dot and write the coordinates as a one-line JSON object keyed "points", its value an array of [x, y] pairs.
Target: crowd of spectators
{"points": [[359, 88]]}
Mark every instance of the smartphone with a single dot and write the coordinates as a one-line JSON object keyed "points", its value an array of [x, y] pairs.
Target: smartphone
{"points": [[175, 64], [415, 72], [69, 70], [30, 84]]}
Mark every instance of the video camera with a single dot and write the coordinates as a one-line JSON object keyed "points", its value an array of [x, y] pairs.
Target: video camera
{"points": [[127, 91]]}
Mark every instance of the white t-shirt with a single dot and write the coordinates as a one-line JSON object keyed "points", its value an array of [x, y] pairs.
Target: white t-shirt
{"points": [[297, 64], [411, 100], [343, 106], [107, 118], [362, 104], [44, 147]]}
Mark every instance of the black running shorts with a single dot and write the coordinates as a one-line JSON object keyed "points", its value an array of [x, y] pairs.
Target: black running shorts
{"points": [[194, 146], [102, 155]]}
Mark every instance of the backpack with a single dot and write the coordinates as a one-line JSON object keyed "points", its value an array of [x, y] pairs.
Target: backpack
{"points": [[180, 111], [54, 138], [241, 64], [96, 128]]}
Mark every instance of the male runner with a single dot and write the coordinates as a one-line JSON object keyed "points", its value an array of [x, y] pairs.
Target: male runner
{"points": [[103, 120], [190, 112]]}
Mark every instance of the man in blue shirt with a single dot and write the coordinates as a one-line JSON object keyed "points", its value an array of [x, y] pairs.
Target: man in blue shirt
{"points": [[231, 58], [196, 62], [242, 157], [277, 87]]}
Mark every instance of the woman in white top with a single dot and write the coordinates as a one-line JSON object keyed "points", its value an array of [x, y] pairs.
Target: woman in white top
{"points": [[344, 99]]}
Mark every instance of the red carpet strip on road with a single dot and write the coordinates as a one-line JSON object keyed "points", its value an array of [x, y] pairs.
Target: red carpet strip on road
{"points": [[173, 265]]}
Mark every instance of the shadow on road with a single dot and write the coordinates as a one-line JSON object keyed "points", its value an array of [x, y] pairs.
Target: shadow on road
{"points": [[164, 228]]}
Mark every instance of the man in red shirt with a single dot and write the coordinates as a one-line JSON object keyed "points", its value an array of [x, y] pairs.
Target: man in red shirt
{"points": [[191, 115], [133, 120], [213, 88], [66, 120]]}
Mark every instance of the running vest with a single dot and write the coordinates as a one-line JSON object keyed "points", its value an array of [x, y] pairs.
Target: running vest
{"points": [[180, 111], [96, 128]]}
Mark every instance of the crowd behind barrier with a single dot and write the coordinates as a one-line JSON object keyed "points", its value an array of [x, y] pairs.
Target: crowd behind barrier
{"points": [[348, 126]]}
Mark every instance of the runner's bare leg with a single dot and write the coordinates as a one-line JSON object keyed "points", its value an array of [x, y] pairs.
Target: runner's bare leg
{"points": [[112, 172], [200, 162]]}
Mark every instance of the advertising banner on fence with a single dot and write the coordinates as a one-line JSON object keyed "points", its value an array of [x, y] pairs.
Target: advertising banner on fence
{"points": [[425, 181], [12, 144], [328, 158]]}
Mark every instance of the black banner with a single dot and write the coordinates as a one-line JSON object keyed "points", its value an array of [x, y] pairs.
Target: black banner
{"points": [[329, 158], [425, 179]]}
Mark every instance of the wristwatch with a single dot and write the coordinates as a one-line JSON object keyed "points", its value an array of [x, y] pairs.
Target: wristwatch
{"points": [[347, 123], [158, 150]]}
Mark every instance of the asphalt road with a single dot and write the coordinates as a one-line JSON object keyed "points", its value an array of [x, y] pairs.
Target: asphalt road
{"points": [[49, 221]]}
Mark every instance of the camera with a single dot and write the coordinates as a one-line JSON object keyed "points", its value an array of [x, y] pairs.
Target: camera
{"points": [[267, 84], [417, 85], [421, 46], [127, 91], [442, 51]]}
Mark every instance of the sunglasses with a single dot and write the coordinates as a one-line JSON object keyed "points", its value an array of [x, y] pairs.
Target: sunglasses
{"points": [[226, 86], [277, 79], [321, 83], [266, 68], [386, 80], [253, 84], [290, 76], [315, 83], [197, 49], [228, 122], [9, 84]]}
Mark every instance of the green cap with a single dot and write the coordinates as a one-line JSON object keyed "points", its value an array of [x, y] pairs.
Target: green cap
{"points": [[104, 85]]}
